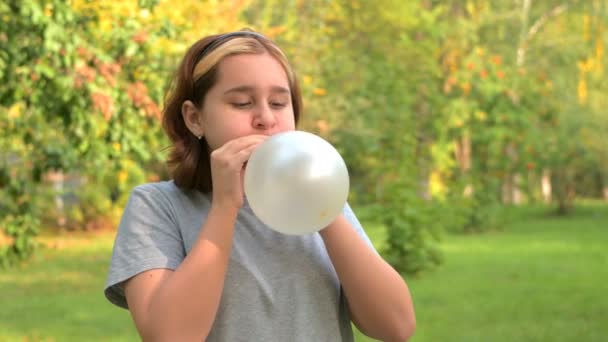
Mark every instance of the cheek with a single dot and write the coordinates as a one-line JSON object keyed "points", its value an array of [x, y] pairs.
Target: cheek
{"points": [[226, 132], [222, 125], [288, 120]]}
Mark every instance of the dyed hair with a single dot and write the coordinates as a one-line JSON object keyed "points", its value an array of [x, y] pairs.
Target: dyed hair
{"points": [[189, 157]]}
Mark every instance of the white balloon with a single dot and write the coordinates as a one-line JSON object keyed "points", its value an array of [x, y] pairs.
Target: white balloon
{"points": [[296, 182]]}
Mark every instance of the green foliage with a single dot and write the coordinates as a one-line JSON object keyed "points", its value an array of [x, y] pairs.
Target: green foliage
{"points": [[426, 100], [72, 101], [413, 230], [439, 108], [384, 131], [20, 230]]}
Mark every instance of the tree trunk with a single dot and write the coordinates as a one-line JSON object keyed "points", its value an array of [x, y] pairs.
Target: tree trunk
{"points": [[507, 190], [512, 186], [526, 34], [424, 189], [564, 190], [423, 141], [509, 185], [463, 157], [517, 196], [530, 189], [604, 186], [546, 185], [57, 178]]}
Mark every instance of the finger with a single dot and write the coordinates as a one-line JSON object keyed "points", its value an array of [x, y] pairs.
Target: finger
{"points": [[243, 142], [229, 149], [242, 156], [234, 159]]}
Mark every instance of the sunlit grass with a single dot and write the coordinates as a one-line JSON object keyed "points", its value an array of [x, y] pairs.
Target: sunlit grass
{"points": [[57, 296], [542, 278]]}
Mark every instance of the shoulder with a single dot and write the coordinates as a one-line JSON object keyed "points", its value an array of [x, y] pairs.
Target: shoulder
{"points": [[157, 207], [164, 191], [167, 188], [167, 197], [153, 198]]}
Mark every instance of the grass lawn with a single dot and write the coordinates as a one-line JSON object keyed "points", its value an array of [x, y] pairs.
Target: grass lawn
{"points": [[57, 296], [542, 278]]}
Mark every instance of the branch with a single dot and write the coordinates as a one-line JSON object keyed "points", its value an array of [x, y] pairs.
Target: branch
{"points": [[543, 19], [521, 50]]}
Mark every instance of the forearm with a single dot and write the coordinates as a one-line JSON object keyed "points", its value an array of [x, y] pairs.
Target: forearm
{"points": [[378, 298], [184, 306]]}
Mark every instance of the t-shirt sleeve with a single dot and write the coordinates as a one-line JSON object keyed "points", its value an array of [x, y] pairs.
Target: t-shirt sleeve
{"points": [[148, 238], [352, 218]]}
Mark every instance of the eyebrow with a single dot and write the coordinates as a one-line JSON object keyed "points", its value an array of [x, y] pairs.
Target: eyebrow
{"points": [[250, 89]]}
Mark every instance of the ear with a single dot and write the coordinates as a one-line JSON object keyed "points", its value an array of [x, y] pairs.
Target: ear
{"points": [[192, 118]]}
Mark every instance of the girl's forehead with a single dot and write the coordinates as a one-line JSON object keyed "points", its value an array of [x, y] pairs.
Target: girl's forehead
{"points": [[251, 68]]}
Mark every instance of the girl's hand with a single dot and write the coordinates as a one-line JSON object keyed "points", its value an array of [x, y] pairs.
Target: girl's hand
{"points": [[227, 170]]}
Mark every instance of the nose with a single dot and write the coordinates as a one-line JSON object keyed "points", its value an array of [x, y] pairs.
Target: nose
{"points": [[264, 117]]}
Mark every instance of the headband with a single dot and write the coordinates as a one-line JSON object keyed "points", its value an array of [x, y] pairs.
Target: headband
{"points": [[225, 37]]}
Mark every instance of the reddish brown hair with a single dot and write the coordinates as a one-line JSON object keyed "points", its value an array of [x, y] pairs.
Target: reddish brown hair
{"points": [[189, 157]]}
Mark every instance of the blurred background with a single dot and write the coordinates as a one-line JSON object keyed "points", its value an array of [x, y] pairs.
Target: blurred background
{"points": [[475, 132]]}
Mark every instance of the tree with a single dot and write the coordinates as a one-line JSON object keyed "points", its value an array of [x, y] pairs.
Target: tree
{"points": [[82, 84], [71, 103]]}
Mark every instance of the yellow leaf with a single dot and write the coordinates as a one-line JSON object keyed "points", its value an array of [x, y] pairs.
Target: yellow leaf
{"points": [[48, 10], [470, 8], [274, 32], [599, 53], [466, 88], [481, 115], [436, 184], [122, 176], [319, 91], [582, 91], [323, 126], [586, 34], [15, 110]]}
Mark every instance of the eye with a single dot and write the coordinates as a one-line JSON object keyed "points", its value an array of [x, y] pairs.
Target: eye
{"points": [[277, 104], [241, 104]]}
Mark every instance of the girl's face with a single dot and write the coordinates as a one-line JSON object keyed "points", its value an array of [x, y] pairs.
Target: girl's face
{"points": [[251, 96]]}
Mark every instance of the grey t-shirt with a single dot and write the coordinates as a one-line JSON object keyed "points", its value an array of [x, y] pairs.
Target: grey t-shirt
{"points": [[278, 287]]}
